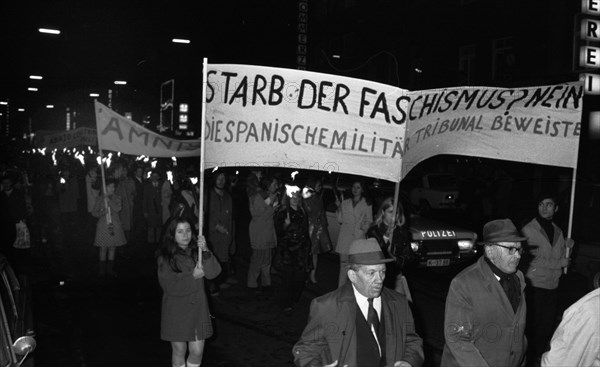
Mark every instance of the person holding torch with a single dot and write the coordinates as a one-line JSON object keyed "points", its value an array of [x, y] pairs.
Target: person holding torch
{"points": [[549, 251]]}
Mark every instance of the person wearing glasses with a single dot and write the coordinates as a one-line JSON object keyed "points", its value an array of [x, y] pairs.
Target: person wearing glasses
{"points": [[547, 248], [485, 308]]}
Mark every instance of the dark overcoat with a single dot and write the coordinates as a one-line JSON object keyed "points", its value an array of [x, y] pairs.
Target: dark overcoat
{"points": [[331, 331], [481, 328], [152, 204], [185, 315]]}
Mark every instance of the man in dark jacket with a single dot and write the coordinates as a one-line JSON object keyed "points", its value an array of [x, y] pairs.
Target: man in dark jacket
{"points": [[362, 323], [12, 211], [152, 207], [485, 308]]}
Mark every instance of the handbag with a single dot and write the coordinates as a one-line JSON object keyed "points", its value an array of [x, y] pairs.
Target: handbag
{"points": [[210, 265], [23, 240]]}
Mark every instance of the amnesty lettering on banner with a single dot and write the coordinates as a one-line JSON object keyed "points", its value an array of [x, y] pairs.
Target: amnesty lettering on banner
{"points": [[53, 139], [261, 116], [538, 125], [117, 133]]}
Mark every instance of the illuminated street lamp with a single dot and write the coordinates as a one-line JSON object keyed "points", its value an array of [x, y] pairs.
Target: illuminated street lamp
{"points": [[120, 82], [49, 106], [3, 103], [32, 89], [35, 77], [21, 110], [94, 95], [181, 40], [49, 31]]}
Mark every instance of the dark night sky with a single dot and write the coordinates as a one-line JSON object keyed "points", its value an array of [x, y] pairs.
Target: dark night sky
{"points": [[131, 40]]}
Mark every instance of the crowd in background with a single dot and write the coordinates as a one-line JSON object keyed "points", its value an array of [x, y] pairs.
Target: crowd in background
{"points": [[138, 201]]}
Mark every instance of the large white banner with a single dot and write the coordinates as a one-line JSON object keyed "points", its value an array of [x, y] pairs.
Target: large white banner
{"points": [[259, 116], [120, 134], [535, 125], [53, 139]]}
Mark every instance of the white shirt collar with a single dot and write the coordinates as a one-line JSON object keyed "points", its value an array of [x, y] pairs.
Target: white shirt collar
{"points": [[363, 303]]}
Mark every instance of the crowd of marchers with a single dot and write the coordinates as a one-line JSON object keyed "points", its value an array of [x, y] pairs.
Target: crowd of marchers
{"points": [[496, 314]]}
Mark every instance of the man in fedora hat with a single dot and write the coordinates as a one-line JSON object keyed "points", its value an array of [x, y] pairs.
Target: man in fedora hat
{"points": [[361, 324], [485, 308]]}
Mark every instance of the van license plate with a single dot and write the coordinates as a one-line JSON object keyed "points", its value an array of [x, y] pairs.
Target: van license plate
{"points": [[438, 262]]}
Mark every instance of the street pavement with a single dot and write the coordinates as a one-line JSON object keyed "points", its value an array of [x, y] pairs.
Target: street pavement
{"points": [[83, 319], [87, 320]]}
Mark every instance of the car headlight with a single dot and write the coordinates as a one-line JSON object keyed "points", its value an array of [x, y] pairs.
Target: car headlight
{"points": [[465, 245], [415, 246]]}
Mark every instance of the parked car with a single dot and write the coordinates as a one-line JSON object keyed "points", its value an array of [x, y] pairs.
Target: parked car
{"points": [[16, 334], [435, 243], [435, 191]]}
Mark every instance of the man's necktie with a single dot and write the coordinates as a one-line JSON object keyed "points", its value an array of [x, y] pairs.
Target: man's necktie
{"points": [[372, 317]]}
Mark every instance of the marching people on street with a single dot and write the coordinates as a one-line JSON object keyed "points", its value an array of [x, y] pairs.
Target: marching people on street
{"points": [[166, 194], [355, 215], [485, 308], [317, 223], [294, 247], [109, 231], [576, 341], [13, 210], [138, 223], [185, 316], [220, 227], [92, 190], [392, 235], [126, 190], [263, 201], [547, 246], [152, 207], [68, 196], [362, 323]]}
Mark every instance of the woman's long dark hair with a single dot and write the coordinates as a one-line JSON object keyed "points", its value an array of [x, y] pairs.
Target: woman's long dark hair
{"points": [[169, 247]]}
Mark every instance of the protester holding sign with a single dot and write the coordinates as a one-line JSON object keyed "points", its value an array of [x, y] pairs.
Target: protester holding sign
{"points": [[109, 231], [548, 247], [355, 215], [185, 317]]}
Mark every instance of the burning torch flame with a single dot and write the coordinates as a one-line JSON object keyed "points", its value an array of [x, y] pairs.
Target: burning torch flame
{"points": [[291, 190], [307, 192], [80, 157]]}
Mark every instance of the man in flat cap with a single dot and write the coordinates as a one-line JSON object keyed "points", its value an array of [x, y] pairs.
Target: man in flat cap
{"points": [[485, 308], [361, 324]]}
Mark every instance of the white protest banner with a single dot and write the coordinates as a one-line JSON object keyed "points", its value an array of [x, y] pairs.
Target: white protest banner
{"points": [[538, 125], [120, 134], [262, 116], [52, 139]]}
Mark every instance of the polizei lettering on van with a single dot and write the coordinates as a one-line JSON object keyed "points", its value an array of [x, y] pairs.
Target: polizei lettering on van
{"points": [[438, 234]]}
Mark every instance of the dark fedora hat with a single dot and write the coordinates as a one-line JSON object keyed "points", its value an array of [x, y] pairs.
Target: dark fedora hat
{"points": [[366, 252], [501, 230]]}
